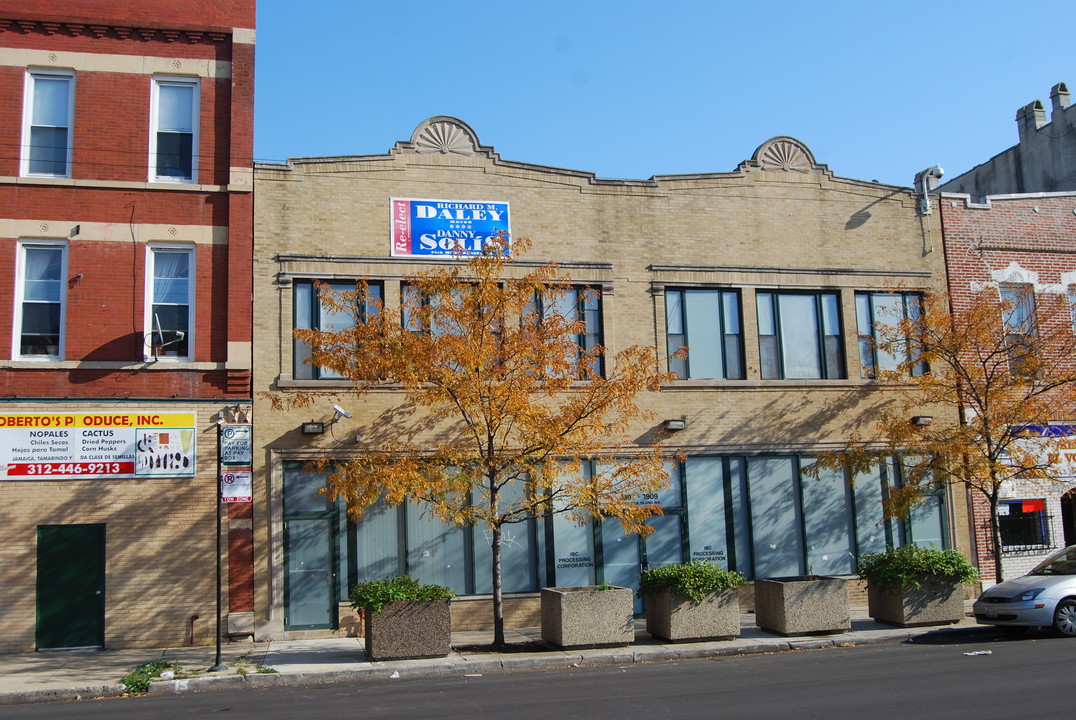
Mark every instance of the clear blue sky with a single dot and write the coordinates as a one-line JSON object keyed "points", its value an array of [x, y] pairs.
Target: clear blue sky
{"points": [[630, 89]]}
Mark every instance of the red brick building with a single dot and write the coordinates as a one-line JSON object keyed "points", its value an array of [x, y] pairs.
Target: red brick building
{"points": [[126, 212], [1019, 243]]}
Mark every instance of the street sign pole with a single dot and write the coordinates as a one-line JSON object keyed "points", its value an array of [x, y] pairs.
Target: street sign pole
{"points": [[218, 666]]}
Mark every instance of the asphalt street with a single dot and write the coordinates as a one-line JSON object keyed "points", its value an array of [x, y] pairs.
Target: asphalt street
{"points": [[958, 676]]}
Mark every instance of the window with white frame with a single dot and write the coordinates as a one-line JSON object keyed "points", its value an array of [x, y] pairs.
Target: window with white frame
{"points": [[1072, 305], [41, 295], [173, 143], [878, 318], [170, 303], [1018, 317], [707, 322], [799, 335], [48, 115], [311, 314]]}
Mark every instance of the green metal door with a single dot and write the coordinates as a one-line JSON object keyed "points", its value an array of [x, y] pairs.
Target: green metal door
{"points": [[70, 586]]}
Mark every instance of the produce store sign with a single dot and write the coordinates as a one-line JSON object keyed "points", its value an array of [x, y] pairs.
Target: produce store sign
{"points": [[58, 446]]}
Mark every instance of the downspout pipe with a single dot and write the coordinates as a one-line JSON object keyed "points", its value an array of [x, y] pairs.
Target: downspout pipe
{"points": [[925, 182]]}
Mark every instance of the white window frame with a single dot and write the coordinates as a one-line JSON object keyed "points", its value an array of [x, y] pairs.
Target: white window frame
{"points": [[29, 96], [150, 353], [154, 117], [1072, 305], [20, 291]]}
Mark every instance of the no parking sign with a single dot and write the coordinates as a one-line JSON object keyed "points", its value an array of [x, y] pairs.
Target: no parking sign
{"points": [[236, 486]]}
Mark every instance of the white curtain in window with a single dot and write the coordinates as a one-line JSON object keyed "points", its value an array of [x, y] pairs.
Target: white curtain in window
{"points": [[171, 277], [42, 273], [175, 108]]}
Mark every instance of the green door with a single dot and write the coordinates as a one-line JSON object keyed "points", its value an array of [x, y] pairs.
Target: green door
{"points": [[70, 586]]}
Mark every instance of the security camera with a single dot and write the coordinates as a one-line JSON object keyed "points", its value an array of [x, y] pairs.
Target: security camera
{"points": [[935, 171], [341, 411]]}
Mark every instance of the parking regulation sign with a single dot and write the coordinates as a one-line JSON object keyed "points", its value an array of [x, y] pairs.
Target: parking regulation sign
{"points": [[236, 486], [236, 447]]}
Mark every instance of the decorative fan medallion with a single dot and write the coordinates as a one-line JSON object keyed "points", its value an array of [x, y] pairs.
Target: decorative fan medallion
{"points": [[785, 155], [444, 138]]}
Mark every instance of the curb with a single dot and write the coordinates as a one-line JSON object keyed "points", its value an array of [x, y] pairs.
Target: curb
{"points": [[435, 667], [481, 663], [86, 692]]}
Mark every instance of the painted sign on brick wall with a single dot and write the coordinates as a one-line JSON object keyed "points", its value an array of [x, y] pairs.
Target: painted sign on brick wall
{"points": [[57, 446], [445, 227]]}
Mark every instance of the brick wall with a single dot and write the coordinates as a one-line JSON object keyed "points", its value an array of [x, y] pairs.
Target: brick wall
{"points": [[751, 229], [160, 542], [1032, 234]]}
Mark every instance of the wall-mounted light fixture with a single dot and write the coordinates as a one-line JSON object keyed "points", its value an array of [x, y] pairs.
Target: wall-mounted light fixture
{"points": [[675, 424], [922, 420], [313, 428]]}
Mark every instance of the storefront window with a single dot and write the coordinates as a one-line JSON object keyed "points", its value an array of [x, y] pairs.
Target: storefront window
{"points": [[759, 515]]}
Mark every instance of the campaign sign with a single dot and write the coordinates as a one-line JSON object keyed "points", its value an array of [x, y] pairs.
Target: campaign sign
{"points": [[445, 227]]}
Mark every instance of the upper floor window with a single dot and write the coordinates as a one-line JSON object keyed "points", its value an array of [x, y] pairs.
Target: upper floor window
{"points": [[311, 314], [707, 322], [48, 119], [878, 317], [170, 303], [799, 335], [1018, 318], [577, 305], [1072, 305], [41, 294], [420, 311], [173, 144]]}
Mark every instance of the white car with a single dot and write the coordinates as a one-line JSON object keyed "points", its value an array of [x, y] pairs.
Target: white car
{"points": [[1045, 597]]}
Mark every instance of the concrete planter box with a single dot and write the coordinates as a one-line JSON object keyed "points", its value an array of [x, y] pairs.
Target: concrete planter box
{"points": [[677, 619], [580, 617], [409, 629], [808, 605], [935, 602]]}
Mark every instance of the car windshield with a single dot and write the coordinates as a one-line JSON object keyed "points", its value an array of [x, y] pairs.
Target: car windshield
{"points": [[1064, 563]]}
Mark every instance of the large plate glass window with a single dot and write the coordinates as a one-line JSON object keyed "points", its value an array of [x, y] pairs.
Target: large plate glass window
{"points": [[576, 304], [708, 323], [878, 316], [799, 336], [311, 314]]}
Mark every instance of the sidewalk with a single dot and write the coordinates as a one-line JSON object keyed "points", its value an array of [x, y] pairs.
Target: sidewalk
{"points": [[84, 674]]}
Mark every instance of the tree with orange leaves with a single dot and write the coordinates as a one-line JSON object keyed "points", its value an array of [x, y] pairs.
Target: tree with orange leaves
{"points": [[511, 392], [1007, 365]]}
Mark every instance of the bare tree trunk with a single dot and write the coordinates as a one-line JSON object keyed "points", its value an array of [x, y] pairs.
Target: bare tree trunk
{"points": [[995, 533], [495, 547], [498, 607]]}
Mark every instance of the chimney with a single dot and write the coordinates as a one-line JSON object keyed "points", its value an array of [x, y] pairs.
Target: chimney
{"points": [[1029, 118], [1059, 96]]}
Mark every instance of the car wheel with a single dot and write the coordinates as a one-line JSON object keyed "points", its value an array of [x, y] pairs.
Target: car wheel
{"points": [[1065, 617], [1013, 631]]}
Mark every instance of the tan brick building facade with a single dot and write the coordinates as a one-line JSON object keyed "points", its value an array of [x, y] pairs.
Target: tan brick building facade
{"points": [[775, 258]]}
